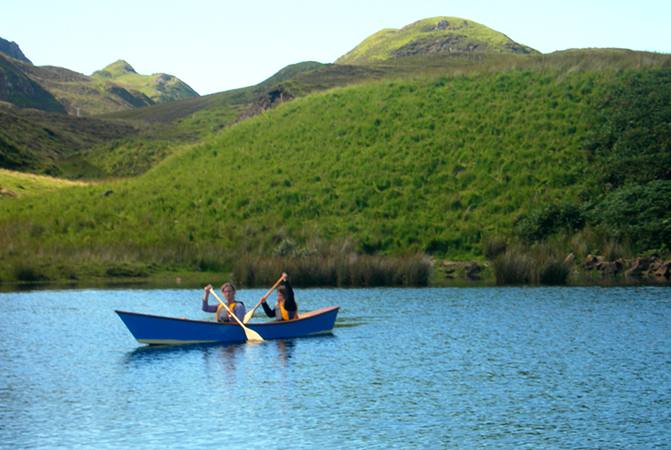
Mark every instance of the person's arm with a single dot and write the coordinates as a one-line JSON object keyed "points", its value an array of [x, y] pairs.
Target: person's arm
{"points": [[205, 306], [269, 312]]}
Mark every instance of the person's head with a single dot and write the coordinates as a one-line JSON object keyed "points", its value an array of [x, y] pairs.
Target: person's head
{"points": [[281, 293], [229, 291]]}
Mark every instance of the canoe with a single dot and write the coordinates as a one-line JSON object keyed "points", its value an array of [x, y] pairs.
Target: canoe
{"points": [[161, 330]]}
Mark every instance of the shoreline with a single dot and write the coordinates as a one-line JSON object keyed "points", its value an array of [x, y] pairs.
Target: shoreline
{"points": [[194, 280]]}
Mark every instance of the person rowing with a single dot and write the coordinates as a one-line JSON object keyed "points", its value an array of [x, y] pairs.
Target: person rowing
{"points": [[286, 307], [221, 315]]}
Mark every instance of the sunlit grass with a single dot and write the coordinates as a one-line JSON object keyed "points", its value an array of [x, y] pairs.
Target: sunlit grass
{"points": [[18, 184]]}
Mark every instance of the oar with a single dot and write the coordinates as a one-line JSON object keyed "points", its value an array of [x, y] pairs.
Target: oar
{"points": [[250, 314], [251, 335]]}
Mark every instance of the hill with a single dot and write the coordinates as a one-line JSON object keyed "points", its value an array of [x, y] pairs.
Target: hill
{"points": [[19, 89], [437, 35], [159, 87], [55, 89], [437, 165], [18, 185], [37, 141], [13, 50]]}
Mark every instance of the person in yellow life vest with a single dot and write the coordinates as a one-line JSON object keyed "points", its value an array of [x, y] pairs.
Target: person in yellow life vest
{"points": [[286, 307], [221, 314]]}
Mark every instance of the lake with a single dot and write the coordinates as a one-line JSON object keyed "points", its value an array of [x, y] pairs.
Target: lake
{"points": [[404, 368]]}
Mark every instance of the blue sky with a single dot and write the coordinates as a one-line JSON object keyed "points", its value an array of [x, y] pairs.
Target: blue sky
{"points": [[220, 45]]}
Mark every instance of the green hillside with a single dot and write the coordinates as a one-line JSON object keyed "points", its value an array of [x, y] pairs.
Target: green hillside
{"points": [[437, 35], [436, 165], [82, 95], [37, 141], [169, 126], [56, 89], [159, 87], [18, 185], [20, 90]]}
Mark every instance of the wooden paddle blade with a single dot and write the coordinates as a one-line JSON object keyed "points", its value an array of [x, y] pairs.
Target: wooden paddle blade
{"points": [[252, 335], [248, 316]]}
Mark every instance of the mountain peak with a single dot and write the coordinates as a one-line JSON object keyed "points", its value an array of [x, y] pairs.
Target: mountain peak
{"points": [[12, 49], [119, 67], [435, 35]]}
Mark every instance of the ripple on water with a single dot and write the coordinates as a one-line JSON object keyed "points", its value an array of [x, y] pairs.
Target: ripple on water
{"points": [[404, 368]]}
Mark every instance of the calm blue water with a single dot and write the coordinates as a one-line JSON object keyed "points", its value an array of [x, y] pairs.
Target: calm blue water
{"points": [[405, 368]]}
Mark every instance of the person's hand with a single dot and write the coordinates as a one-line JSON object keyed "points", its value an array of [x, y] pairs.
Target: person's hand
{"points": [[263, 299], [285, 277], [208, 288]]}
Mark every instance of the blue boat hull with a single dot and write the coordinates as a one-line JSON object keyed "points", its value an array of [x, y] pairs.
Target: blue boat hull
{"points": [[160, 330]]}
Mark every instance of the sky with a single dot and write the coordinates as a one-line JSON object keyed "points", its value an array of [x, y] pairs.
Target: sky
{"points": [[218, 45]]}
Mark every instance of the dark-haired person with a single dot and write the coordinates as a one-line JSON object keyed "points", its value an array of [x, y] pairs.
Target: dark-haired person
{"points": [[286, 307], [221, 314]]}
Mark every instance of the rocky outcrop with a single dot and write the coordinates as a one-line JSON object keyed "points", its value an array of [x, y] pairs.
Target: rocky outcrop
{"points": [[269, 99], [642, 268], [443, 45], [467, 270]]}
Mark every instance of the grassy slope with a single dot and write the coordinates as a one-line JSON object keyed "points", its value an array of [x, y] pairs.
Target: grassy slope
{"points": [[19, 185], [184, 122], [75, 90], [20, 90], [159, 87], [431, 165], [38, 141], [382, 45]]}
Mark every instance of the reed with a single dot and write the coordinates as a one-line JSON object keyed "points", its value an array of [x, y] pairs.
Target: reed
{"points": [[341, 270], [538, 264], [513, 268]]}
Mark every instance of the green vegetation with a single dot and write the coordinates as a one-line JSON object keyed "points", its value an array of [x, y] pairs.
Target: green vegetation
{"points": [[81, 95], [430, 36], [47, 142], [18, 89], [431, 165], [159, 87], [17, 184], [441, 140], [56, 89]]}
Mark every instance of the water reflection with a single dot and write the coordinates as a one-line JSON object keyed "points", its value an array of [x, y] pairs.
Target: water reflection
{"points": [[223, 357], [285, 349], [148, 354]]}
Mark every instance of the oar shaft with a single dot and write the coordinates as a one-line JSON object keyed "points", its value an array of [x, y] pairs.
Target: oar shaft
{"points": [[250, 334], [250, 314]]}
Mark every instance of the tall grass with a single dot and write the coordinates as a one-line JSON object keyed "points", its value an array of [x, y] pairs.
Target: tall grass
{"points": [[540, 264], [344, 270]]}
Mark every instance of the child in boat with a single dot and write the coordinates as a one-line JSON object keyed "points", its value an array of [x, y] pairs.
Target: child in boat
{"points": [[221, 314], [286, 308]]}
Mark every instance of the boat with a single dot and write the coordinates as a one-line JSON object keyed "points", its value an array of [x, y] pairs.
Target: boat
{"points": [[161, 330]]}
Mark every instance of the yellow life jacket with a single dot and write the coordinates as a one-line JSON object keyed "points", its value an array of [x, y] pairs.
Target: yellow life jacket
{"points": [[285, 313], [231, 306]]}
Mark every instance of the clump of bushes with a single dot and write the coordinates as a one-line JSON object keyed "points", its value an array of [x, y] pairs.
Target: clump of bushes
{"points": [[27, 273], [539, 224]]}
